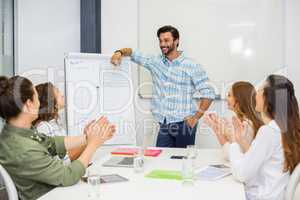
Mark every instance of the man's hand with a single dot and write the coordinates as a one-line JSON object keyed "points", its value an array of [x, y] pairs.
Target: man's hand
{"points": [[191, 121], [116, 58]]}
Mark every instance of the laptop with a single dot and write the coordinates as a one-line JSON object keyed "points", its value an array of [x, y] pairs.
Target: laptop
{"points": [[119, 161]]}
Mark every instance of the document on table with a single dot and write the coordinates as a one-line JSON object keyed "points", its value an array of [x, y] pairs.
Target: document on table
{"points": [[212, 173]]}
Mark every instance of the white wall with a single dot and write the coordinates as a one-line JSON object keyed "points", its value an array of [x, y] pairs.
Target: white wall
{"points": [[293, 42], [246, 36], [45, 31], [6, 41], [49, 28], [120, 29]]}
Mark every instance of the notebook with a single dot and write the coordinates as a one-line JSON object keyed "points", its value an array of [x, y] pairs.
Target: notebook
{"points": [[165, 174]]}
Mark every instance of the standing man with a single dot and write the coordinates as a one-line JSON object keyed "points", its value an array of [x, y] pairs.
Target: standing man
{"points": [[175, 79]]}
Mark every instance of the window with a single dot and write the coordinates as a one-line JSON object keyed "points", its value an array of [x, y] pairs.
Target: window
{"points": [[6, 54], [6, 38]]}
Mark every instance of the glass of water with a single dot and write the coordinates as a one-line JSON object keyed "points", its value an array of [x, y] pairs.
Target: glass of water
{"points": [[192, 151], [138, 161], [188, 170], [94, 181]]}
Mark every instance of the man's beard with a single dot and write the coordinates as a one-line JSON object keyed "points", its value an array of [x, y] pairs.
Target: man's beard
{"points": [[169, 49]]}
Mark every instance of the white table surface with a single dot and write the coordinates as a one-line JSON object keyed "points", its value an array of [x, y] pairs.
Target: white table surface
{"points": [[138, 187]]}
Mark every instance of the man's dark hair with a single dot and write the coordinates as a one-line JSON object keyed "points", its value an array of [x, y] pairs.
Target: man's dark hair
{"points": [[170, 29]]}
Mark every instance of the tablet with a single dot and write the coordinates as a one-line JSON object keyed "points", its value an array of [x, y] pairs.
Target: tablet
{"points": [[111, 178], [221, 166], [119, 161]]}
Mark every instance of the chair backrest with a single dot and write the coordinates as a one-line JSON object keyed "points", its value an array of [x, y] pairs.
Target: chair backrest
{"points": [[293, 184], [9, 184], [297, 192]]}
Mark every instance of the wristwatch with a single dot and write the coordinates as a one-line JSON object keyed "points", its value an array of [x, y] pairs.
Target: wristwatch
{"points": [[119, 52]]}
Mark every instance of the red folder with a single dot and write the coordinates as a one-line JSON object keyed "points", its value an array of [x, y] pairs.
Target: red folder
{"points": [[132, 151]]}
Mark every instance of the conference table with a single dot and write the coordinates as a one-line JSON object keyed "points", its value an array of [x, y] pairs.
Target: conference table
{"points": [[139, 187]]}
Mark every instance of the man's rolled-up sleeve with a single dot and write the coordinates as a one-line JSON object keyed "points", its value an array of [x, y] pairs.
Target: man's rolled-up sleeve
{"points": [[142, 59], [201, 82]]}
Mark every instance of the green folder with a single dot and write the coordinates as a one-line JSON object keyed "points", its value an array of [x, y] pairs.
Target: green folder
{"points": [[165, 174]]}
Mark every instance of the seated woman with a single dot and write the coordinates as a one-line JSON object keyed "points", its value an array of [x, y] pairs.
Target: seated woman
{"points": [[48, 121], [27, 155], [274, 153], [240, 100], [51, 102]]}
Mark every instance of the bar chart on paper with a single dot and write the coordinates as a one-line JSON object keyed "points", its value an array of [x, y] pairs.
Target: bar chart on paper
{"points": [[94, 88]]}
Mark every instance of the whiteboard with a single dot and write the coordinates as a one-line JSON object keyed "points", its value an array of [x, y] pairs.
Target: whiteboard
{"points": [[232, 39], [94, 88]]}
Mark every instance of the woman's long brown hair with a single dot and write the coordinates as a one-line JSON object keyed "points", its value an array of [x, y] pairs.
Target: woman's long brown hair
{"points": [[244, 94], [282, 106], [48, 105]]}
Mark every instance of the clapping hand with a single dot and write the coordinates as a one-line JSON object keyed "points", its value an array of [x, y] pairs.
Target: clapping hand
{"points": [[99, 131], [221, 127], [239, 129], [215, 123]]}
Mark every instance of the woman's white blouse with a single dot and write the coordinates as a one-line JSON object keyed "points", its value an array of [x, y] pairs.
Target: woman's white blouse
{"points": [[261, 167], [51, 128]]}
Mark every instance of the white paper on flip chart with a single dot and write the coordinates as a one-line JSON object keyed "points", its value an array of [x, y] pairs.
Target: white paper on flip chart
{"points": [[94, 88]]}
